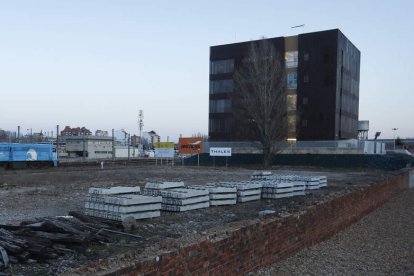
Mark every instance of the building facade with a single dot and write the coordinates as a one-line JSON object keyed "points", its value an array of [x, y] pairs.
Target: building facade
{"points": [[91, 147], [322, 87]]}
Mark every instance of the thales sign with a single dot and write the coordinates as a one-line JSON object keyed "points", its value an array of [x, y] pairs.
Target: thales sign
{"points": [[220, 151]]}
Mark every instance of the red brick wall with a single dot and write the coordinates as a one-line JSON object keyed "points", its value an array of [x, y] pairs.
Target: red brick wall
{"points": [[267, 240]]}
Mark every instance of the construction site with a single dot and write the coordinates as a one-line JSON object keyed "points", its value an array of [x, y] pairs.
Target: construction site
{"points": [[132, 219]]}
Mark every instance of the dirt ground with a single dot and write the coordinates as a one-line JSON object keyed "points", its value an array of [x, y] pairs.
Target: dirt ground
{"points": [[27, 194]]}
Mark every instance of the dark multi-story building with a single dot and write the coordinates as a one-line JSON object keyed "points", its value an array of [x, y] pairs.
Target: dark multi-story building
{"points": [[322, 87]]}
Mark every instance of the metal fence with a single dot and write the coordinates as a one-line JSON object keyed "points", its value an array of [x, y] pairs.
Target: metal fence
{"points": [[349, 144]]}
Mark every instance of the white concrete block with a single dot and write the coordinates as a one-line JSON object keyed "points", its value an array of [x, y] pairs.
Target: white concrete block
{"points": [[123, 209], [164, 185], [183, 193], [185, 201], [177, 208], [121, 217], [249, 192], [126, 199], [248, 198], [214, 189], [223, 196], [223, 202], [114, 190]]}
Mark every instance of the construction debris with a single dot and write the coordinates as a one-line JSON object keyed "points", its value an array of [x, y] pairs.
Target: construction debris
{"points": [[48, 238]]}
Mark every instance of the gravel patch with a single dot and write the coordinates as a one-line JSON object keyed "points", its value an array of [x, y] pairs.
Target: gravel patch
{"points": [[381, 243]]}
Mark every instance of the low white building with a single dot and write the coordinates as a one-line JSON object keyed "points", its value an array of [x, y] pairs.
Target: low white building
{"points": [[92, 147]]}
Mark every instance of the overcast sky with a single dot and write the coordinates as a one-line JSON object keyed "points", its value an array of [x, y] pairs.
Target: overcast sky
{"points": [[96, 63]]}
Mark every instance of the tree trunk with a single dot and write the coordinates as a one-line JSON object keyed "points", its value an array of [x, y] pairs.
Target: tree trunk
{"points": [[267, 154]]}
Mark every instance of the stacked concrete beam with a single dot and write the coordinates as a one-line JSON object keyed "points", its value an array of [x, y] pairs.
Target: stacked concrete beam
{"points": [[155, 188], [121, 203], [312, 182], [323, 181], [219, 195], [273, 189], [246, 190], [184, 199], [117, 190]]}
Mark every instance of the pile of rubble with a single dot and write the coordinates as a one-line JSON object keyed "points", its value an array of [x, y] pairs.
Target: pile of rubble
{"points": [[49, 238]]}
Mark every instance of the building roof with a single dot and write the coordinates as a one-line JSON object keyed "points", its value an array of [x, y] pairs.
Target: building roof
{"points": [[89, 137]]}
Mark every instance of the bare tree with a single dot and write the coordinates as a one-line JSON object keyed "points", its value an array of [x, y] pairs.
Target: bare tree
{"points": [[260, 84]]}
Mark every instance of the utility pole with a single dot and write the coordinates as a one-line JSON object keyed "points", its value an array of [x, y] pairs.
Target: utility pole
{"points": [[395, 129], [18, 134], [129, 142], [84, 147], [57, 142], [113, 144], [140, 127]]}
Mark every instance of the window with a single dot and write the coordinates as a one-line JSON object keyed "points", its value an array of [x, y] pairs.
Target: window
{"points": [[306, 78], [292, 81], [219, 125], [291, 122], [306, 57], [304, 123], [221, 86], [291, 102], [220, 106], [221, 66], [305, 100], [291, 59]]}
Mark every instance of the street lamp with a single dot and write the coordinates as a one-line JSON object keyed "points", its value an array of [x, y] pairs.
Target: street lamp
{"points": [[395, 129]]}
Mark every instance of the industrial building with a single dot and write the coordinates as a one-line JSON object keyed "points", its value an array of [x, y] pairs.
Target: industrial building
{"points": [[92, 147], [322, 87]]}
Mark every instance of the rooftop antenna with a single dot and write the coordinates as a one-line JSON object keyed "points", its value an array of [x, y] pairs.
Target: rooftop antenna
{"points": [[301, 26], [140, 122]]}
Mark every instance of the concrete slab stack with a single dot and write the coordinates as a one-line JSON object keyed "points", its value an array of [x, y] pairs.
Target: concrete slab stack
{"points": [[273, 189], [184, 199], [246, 190], [114, 190], [323, 181], [121, 203], [219, 195], [311, 182], [155, 188]]}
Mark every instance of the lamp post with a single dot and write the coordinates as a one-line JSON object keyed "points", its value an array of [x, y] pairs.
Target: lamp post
{"points": [[395, 129]]}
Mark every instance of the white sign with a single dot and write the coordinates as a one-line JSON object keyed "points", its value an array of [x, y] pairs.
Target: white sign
{"points": [[220, 151], [164, 152]]}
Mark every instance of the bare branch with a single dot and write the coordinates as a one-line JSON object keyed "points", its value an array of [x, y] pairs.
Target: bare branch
{"points": [[260, 86]]}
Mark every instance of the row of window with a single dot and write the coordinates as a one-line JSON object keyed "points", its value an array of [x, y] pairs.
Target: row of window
{"points": [[219, 125], [227, 86], [222, 66], [224, 105], [291, 59], [292, 80], [227, 65], [220, 106], [221, 86]]}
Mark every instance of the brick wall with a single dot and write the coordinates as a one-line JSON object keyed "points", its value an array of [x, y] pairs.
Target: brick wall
{"points": [[267, 240]]}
